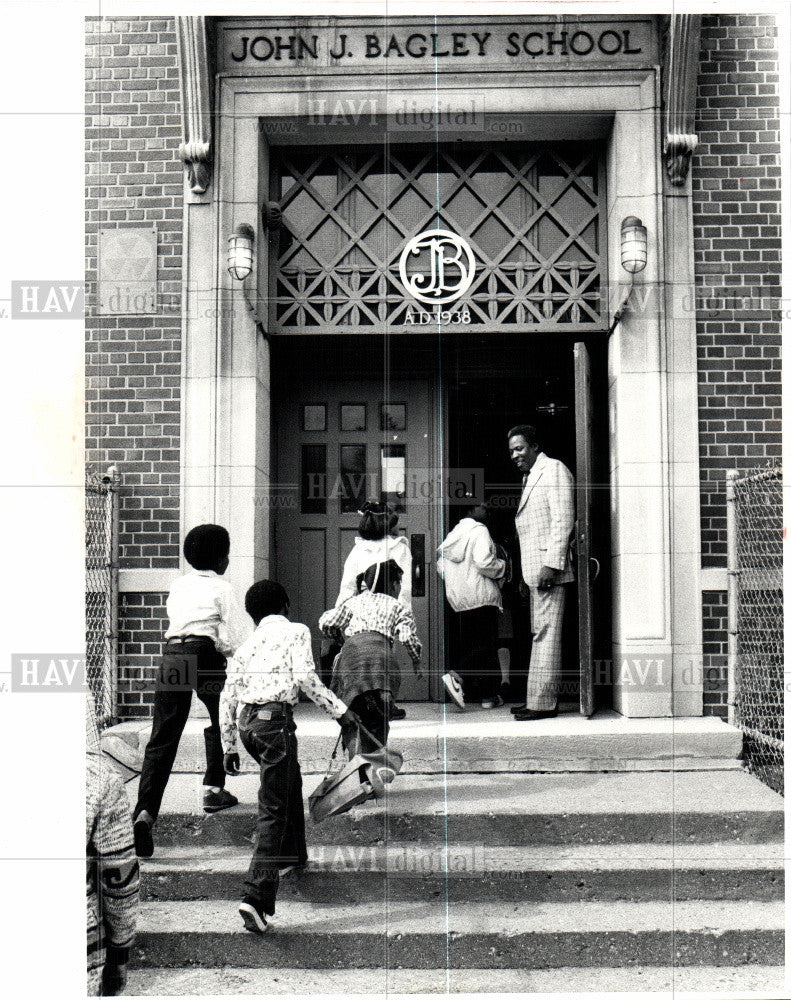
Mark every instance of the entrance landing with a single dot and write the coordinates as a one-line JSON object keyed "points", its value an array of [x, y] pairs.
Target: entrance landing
{"points": [[440, 739]]}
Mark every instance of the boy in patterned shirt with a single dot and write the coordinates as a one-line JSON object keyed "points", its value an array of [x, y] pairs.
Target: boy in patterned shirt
{"points": [[262, 686]]}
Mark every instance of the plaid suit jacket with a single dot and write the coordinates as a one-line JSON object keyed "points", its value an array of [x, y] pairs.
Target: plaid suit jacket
{"points": [[545, 520]]}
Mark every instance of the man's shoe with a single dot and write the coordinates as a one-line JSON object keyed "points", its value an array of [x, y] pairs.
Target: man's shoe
{"points": [[454, 688], [144, 841], [253, 916], [215, 801], [397, 713], [518, 708], [529, 714]]}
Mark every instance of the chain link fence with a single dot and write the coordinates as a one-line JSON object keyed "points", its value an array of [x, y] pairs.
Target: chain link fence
{"points": [[755, 619], [101, 592]]}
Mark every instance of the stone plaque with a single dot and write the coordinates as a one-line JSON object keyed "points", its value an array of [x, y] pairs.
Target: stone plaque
{"points": [[127, 271], [291, 45]]}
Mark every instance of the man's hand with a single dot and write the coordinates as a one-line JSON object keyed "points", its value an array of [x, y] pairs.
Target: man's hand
{"points": [[113, 979], [230, 763], [547, 577]]}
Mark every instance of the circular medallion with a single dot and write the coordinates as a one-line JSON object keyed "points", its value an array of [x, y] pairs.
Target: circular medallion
{"points": [[444, 268]]}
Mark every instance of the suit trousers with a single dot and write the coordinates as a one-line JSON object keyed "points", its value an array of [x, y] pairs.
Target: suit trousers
{"points": [[280, 835], [194, 665], [546, 614]]}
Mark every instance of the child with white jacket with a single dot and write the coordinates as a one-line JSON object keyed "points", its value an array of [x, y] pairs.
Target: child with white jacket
{"points": [[469, 563], [377, 541]]}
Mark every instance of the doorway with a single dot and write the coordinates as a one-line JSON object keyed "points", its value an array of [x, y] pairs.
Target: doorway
{"points": [[362, 416], [492, 384]]}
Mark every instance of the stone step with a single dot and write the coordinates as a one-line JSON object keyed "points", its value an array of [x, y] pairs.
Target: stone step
{"points": [[411, 873], [438, 935], [506, 810], [440, 739], [708, 980]]}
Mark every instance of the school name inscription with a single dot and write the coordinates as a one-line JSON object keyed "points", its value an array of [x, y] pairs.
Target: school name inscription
{"points": [[503, 44]]}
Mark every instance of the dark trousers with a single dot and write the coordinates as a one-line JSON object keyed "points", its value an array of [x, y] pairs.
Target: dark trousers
{"points": [[373, 710], [478, 665], [280, 837], [194, 665]]}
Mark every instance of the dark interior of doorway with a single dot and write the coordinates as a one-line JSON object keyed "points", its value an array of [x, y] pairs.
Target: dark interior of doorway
{"points": [[493, 383]]}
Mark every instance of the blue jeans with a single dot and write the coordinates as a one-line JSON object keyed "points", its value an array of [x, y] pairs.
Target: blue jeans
{"points": [[280, 839]]}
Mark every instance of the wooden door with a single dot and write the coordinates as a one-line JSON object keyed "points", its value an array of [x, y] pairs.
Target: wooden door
{"points": [[582, 400], [338, 444]]}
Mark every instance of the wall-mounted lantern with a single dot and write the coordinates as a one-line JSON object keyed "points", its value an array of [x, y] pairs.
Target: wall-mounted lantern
{"points": [[634, 245], [634, 257], [240, 252]]}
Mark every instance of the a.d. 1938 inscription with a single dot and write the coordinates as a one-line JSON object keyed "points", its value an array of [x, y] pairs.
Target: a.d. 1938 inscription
{"points": [[258, 47]]}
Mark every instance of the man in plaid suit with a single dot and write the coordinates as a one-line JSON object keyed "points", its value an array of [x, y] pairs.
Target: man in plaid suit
{"points": [[544, 522]]}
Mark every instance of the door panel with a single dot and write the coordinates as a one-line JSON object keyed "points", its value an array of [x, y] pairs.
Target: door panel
{"points": [[582, 401], [339, 444]]}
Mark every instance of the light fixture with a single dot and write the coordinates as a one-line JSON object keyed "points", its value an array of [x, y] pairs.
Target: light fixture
{"points": [[240, 252], [634, 245], [634, 257]]}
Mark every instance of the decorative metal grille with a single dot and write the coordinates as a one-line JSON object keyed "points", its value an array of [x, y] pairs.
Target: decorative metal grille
{"points": [[532, 214]]}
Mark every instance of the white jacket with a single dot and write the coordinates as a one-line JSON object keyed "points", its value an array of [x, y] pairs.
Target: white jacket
{"points": [[467, 561], [365, 553]]}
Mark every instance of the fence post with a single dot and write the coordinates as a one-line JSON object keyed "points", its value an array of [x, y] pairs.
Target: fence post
{"points": [[112, 635], [733, 591]]}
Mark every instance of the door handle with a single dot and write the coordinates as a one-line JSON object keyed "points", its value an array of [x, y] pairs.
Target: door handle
{"points": [[417, 545], [595, 577]]}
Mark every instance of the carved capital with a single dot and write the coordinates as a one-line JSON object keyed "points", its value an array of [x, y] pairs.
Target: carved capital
{"points": [[196, 120], [680, 67]]}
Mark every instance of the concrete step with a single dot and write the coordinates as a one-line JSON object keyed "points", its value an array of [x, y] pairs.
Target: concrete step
{"points": [[440, 739], [413, 873], [506, 810], [438, 935], [765, 980]]}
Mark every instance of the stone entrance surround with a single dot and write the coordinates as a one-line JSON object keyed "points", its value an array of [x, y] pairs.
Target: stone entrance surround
{"points": [[653, 445]]}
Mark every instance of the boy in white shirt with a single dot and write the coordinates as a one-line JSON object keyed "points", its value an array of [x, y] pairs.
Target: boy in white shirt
{"points": [[263, 685], [206, 624]]}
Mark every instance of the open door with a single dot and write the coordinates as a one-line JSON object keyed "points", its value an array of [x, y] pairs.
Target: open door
{"points": [[582, 408]]}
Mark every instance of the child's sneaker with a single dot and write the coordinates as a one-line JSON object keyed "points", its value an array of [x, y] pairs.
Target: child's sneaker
{"points": [[454, 688], [215, 801], [253, 916], [495, 702], [397, 713]]}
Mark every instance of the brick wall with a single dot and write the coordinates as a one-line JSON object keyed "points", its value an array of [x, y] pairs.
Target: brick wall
{"points": [[133, 363], [715, 652], [142, 623], [736, 205]]}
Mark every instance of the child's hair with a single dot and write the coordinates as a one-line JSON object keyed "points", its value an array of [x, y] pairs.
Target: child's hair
{"points": [[266, 597], [206, 546], [381, 576], [377, 520]]}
